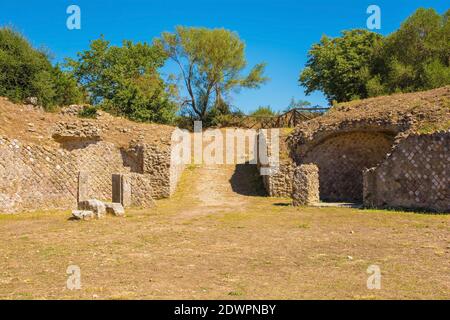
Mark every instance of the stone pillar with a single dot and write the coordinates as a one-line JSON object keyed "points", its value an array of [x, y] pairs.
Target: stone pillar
{"points": [[117, 188], [305, 185], [121, 189], [126, 191], [83, 191], [369, 187]]}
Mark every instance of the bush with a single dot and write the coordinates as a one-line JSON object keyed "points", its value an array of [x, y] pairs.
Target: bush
{"points": [[263, 112], [88, 112], [27, 72]]}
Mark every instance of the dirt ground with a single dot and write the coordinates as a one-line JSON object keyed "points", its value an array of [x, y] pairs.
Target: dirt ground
{"points": [[218, 238]]}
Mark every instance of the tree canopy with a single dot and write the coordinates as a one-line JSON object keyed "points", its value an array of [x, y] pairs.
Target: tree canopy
{"points": [[27, 72], [211, 62], [339, 66], [125, 80], [362, 64]]}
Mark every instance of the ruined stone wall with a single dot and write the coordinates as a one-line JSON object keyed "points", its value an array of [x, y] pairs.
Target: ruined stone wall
{"points": [[415, 175], [279, 182], [342, 158], [165, 173], [35, 177], [40, 177]]}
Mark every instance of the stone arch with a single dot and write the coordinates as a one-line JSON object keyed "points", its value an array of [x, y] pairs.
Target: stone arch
{"points": [[342, 157]]}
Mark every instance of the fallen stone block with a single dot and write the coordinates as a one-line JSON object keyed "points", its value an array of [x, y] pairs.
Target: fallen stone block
{"points": [[93, 205], [115, 209], [83, 214]]}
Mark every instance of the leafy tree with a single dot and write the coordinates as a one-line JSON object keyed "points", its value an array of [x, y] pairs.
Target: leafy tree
{"points": [[417, 56], [27, 72], [362, 64], [125, 80], [339, 66], [211, 62]]}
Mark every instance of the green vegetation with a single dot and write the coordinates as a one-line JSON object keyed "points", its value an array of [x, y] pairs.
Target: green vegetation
{"points": [[27, 72], [125, 80], [211, 62], [263, 112], [88, 112], [362, 64]]}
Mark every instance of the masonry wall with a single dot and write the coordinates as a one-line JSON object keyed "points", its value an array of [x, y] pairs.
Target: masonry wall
{"points": [[37, 177], [279, 183], [415, 175], [40, 177], [342, 158]]}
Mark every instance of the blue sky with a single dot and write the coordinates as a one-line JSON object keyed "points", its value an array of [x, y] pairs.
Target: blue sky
{"points": [[278, 32]]}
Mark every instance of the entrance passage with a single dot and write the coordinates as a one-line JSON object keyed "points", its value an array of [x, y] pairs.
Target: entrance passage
{"points": [[341, 160]]}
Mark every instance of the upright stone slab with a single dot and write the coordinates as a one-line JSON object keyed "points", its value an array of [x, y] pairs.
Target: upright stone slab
{"points": [[117, 188], [83, 186], [305, 187], [121, 189], [126, 191]]}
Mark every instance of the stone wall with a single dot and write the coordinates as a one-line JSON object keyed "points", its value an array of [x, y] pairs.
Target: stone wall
{"points": [[279, 182], [416, 175], [45, 176], [342, 157], [36, 177]]}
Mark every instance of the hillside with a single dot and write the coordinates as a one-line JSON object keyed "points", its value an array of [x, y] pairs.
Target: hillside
{"points": [[27, 123], [422, 112]]}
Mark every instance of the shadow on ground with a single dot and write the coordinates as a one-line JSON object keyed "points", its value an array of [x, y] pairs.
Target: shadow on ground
{"points": [[247, 181]]}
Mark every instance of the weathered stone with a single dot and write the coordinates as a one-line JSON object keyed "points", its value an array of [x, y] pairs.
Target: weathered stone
{"points": [[117, 188], [32, 100], [94, 205], [83, 186], [72, 110], [76, 131], [115, 209], [305, 189], [414, 175], [83, 214]]}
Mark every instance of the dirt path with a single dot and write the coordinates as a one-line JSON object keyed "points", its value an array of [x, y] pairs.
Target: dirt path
{"points": [[220, 188]]}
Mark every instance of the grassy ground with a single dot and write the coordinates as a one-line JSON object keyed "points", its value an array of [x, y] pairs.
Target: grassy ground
{"points": [[235, 247]]}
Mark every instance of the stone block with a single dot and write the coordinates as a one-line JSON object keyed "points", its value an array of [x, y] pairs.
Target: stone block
{"points": [[93, 205], [83, 186], [83, 214], [115, 209], [305, 190]]}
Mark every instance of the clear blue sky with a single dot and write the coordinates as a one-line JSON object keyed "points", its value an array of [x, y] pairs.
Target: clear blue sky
{"points": [[279, 32]]}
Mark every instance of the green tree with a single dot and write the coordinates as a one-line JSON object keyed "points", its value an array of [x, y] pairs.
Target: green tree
{"points": [[417, 56], [125, 80], [339, 67], [362, 64], [27, 72], [211, 62]]}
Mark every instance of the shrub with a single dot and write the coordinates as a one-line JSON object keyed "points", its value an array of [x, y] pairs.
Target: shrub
{"points": [[88, 112], [27, 72]]}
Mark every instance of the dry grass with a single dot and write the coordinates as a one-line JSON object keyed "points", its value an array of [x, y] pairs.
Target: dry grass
{"points": [[261, 249]]}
